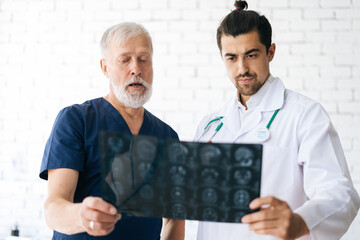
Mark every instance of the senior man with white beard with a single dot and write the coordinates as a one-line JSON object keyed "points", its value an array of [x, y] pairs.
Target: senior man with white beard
{"points": [[74, 208]]}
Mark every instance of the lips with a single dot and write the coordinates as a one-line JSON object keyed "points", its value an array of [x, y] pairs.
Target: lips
{"points": [[245, 80], [136, 86]]}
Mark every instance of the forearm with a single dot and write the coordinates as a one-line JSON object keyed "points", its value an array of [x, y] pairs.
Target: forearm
{"points": [[173, 229], [327, 220], [63, 216]]}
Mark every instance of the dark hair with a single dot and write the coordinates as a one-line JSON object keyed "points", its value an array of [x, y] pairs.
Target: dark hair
{"points": [[241, 21]]}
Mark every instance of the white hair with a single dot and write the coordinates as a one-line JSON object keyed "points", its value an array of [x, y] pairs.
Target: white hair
{"points": [[121, 33]]}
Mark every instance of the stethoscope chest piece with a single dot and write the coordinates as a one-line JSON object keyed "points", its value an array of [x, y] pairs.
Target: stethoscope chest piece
{"points": [[262, 134]]}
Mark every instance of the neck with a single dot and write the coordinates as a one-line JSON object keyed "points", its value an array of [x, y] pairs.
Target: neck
{"points": [[133, 117], [243, 99]]}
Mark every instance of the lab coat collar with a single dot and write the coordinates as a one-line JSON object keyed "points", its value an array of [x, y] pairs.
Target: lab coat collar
{"points": [[269, 98], [273, 96], [255, 99]]}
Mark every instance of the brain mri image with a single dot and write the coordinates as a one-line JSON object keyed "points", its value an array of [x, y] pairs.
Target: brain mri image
{"points": [[242, 176], [145, 150], [115, 144], [144, 168], [210, 175], [119, 176], [118, 165], [179, 211], [147, 192], [210, 155], [210, 214], [209, 196], [243, 157], [177, 173], [177, 152], [153, 177], [241, 198], [238, 215], [178, 194]]}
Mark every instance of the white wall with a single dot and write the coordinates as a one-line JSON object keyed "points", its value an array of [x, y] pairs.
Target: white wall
{"points": [[49, 58]]}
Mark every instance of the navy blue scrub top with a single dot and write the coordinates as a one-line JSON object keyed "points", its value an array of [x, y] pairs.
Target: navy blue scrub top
{"points": [[73, 143]]}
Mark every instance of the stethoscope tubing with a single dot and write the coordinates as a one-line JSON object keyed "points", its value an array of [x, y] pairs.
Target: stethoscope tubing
{"points": [[221, 124]]}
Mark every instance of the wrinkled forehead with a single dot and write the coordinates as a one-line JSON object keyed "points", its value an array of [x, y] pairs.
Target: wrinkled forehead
{"points": [[139, 43]]}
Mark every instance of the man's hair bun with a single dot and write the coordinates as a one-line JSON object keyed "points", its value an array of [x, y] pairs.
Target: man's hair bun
{"points": [[241, 5]]}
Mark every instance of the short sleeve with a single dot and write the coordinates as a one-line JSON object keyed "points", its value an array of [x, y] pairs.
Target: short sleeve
{"points": [[65, 146]]}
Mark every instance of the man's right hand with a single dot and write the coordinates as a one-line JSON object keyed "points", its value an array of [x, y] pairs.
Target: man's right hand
{"points": [[65, 216], [98, 217]]}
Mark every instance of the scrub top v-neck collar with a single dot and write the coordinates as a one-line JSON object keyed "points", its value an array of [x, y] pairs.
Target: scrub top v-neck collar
{"points": [[121, 121]]}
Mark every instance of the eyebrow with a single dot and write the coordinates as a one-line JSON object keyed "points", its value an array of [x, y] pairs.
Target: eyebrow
{"points": [[126, 54], [246, 53], [230, 55], [251, 51]]}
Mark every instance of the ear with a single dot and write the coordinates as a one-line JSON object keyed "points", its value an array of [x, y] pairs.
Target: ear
{"points": [[104, 67], [271, 52]]}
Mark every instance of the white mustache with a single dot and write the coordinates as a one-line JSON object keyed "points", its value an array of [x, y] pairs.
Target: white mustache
{"points": [[136, 80]]}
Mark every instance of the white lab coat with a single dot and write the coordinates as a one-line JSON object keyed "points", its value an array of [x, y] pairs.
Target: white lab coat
{"points": [[303, 162]]}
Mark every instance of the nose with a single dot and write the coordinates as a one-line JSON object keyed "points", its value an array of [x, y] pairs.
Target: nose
{"points": [[243, 66], [135, 69]]}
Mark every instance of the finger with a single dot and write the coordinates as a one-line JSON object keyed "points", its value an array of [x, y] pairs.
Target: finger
{"points": [[273, 232], [262, 215], [101, 230], [95, 215], [268, 200], [262, 225], [99, 204], [97, 226]]}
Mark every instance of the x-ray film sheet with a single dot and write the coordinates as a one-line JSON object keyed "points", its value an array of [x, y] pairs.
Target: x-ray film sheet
{"points": [[153, 177]]}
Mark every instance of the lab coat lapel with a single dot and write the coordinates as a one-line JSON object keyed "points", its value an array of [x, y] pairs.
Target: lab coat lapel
{"points": [[250, 125], [231, 120], [232, 123]]}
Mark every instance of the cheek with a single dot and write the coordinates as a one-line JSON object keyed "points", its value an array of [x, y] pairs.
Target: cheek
{"points": [[148, 74], [117, 72], [232, 72], [257, 67]]}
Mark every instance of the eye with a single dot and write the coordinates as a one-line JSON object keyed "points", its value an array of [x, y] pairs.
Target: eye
{"points": [[252, 56], [230, 59], [144, 59], [124, 60]]}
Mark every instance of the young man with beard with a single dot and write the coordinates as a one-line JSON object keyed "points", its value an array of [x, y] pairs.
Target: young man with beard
{"points": [[74, 208], [306, 189]]}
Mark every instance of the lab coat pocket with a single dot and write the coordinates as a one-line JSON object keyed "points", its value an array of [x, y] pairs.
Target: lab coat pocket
{"points": [[277, 170]]}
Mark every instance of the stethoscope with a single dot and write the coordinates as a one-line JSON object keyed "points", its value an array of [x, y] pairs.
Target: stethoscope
{"points": [[262, 134], [217, 129]]}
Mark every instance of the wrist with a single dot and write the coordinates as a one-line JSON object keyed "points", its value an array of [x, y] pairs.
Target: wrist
{"points": [[301, 226]]}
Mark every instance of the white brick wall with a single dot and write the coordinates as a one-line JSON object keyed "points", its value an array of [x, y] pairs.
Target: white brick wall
{"points": [[49, 58]]}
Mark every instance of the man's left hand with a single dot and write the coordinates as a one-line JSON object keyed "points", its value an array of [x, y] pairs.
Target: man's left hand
{"points": [[275, 218]]}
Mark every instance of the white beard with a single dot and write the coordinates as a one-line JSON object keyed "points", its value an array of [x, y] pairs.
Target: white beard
{"points": [[135, 99]]}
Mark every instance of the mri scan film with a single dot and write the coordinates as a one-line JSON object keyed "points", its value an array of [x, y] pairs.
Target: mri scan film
{"points": [[154, 177]]}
